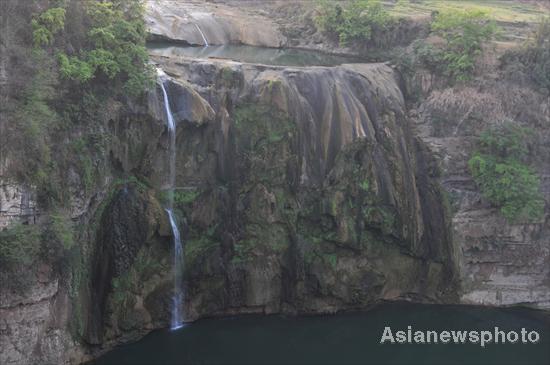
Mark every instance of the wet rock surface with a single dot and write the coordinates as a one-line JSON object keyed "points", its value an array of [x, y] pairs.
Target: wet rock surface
{"points": [[306, 191], [298, 190]]}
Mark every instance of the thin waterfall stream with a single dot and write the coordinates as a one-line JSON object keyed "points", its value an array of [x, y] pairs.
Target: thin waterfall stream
{"points": [[202, 34], [177, 300]]}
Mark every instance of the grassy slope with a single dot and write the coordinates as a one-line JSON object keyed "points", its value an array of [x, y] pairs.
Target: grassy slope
{"points": [[516, 18], [501, 10]]}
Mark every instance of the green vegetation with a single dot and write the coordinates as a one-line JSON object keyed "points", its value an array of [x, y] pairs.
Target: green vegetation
{"points": [[184, 197], [22, 244], [264, 134], [126, 285], [60, 230], [464, 33], [115, 47], [354, 21], [46, 25], [243, 251], [19, 244], [35, 119], [84, 162], [199, 247], [533, 59], [69, 60], [364, 185], [503, 178], [500, 10]]}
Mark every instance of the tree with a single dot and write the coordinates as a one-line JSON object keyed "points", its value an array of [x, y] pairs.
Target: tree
{"points": [[355, 22], [464, 33]]}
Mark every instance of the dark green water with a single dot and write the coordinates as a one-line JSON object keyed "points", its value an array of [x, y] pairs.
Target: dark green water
{"points": [[352, 338], [251, 54]]}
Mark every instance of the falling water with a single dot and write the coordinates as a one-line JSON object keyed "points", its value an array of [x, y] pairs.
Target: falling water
{"points": [[177, 300], [202, 34]]}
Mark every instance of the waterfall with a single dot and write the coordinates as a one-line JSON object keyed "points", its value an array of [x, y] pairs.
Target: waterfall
{"points": [[177, 300], [202, 34]]}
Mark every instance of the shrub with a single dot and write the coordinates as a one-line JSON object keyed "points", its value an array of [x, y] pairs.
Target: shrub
{"points": [[464, 33], [503, 178], [46, 25], [429, 56], [114, 47], [19, 244], [533, 58], [60, 229], [124, 286], [184, 197], [57, 239], [355, 22]]}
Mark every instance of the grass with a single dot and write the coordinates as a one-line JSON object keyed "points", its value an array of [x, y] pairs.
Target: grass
{"points": [[500, 10]]}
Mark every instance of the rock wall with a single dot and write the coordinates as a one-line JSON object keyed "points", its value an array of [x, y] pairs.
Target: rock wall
{"points": [[33, 323], [17, 204], [45, 305], [299, 190], [306, 191], [501, 263]]}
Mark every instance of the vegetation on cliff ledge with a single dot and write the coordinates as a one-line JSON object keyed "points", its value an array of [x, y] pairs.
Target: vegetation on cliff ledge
{"points": [[533, 59], [113, 46], [464, 33], [504, 179], [71, 64], [358, 20]]}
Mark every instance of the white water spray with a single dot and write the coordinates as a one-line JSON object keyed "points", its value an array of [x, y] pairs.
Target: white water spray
{"points": [[177, 300]]}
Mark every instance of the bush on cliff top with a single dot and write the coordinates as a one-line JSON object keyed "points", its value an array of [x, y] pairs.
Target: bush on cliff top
{"points": [[353, 21], [464, 33], [503, 178], [68, 60], [114, 46], [533, 58]]}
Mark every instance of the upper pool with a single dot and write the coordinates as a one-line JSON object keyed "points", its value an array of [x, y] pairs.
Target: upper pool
{"points": [[252, 54]]}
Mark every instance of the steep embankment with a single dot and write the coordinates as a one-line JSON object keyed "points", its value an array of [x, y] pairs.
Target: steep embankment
{"points": [[298, 190], [501, 262], [308, 192]]}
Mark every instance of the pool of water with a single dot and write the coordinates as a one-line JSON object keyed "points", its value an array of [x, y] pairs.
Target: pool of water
{"points": [[252, 54], [351, 338]]}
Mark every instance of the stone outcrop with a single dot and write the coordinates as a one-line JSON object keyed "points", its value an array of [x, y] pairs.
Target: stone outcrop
{"points": [[194, 23], [33, 322], [17, 204], [310, 193], [298, 190], [501, 263]]}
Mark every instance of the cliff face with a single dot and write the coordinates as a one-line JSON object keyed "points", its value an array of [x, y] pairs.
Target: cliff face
{"points": [[298, 190], [307, 193], [501, 263]]}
